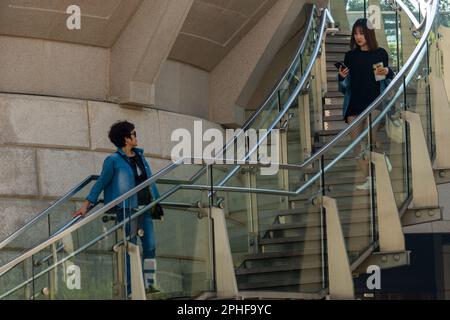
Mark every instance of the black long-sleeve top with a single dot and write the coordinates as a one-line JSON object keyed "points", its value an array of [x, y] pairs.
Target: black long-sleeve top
{"points": [[364, 88]]}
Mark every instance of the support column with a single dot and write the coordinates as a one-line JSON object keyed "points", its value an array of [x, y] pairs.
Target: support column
{"points": [[143, 47]]}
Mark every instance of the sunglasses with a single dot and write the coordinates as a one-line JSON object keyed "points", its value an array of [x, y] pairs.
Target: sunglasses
{"points": [[133, 134]]}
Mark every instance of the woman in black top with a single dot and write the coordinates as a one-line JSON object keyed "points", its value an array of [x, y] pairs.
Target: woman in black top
{"points": [[367, 69]]}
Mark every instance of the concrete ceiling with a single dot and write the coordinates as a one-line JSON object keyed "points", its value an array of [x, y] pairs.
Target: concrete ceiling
{"points": [[214, 27], [102, 20]]}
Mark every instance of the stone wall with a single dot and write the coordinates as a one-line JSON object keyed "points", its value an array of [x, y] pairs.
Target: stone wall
{"points": [[48, 145]]}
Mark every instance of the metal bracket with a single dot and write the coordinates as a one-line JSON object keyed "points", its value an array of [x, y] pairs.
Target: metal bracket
{"points": [[390, 230], [384, 260], [307, 89], [285, 122], [442, 176], [418, 216], [339, 272], [425, 193]]}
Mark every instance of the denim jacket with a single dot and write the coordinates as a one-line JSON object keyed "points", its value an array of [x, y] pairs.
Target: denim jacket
{"points": [[345, 88], [117, 178]]}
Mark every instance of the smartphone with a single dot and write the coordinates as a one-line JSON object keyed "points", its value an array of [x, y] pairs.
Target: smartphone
{"points": [[340, 64]]}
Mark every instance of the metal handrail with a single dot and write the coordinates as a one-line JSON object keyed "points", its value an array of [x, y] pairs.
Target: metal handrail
{"points": [[64, 233], [291, 99], [295, 60], [155, 177], [411, 63], [247, 124], [397, 80], [418, 25], [68, 195], [356, 122], [89, 218]]}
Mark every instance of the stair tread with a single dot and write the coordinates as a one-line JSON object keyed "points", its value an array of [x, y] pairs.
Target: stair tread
{"points": [[276, 283], [299, 211], [276, 255], [336, 48], [341, 40], [333, 118], [272, 269], [302, 239], [328, 132], [337, 194], [288, 226], [334, 94], [332, 107]]}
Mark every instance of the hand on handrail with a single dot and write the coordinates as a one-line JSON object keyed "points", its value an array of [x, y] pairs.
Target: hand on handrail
{"points": [[83, 210]]}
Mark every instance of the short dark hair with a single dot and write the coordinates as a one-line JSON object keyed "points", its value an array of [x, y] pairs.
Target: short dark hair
{"points": [[119, 131], [369, 34]]}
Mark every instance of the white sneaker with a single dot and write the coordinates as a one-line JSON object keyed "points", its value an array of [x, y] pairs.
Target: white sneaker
{"points": [[388, 163], [366, 185]]}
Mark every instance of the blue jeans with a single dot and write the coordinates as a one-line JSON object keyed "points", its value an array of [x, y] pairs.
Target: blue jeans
{"points": [[144, 222]]}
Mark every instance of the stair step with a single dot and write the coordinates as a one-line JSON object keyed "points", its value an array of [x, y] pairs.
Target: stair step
{"points": [[313, 224], [314, 233], [331, 69], [333, 118], [336, 48], [273, 269], [306, 283], [332, 78], [338, 100], [328, 132], [353, 244], [334, 94], [333, 86], [344, 166], [341, 40], [302, 239], [332, 107], [347, 216], [341, 33], [276, 255], [333, 57], [390, 148]]}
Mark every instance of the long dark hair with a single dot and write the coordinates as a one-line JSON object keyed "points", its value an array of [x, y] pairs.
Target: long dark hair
{"points": [[369, 34]]}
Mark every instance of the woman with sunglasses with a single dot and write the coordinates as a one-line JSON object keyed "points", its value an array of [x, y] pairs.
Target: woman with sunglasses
{"points": [[122, 171]]}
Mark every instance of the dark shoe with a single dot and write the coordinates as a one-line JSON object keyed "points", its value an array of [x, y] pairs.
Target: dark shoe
{"points": [[152, 289]]}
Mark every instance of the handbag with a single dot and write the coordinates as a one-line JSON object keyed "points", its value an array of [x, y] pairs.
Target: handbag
{"points": [[157, 212], [395, 129], [145, 198]]}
